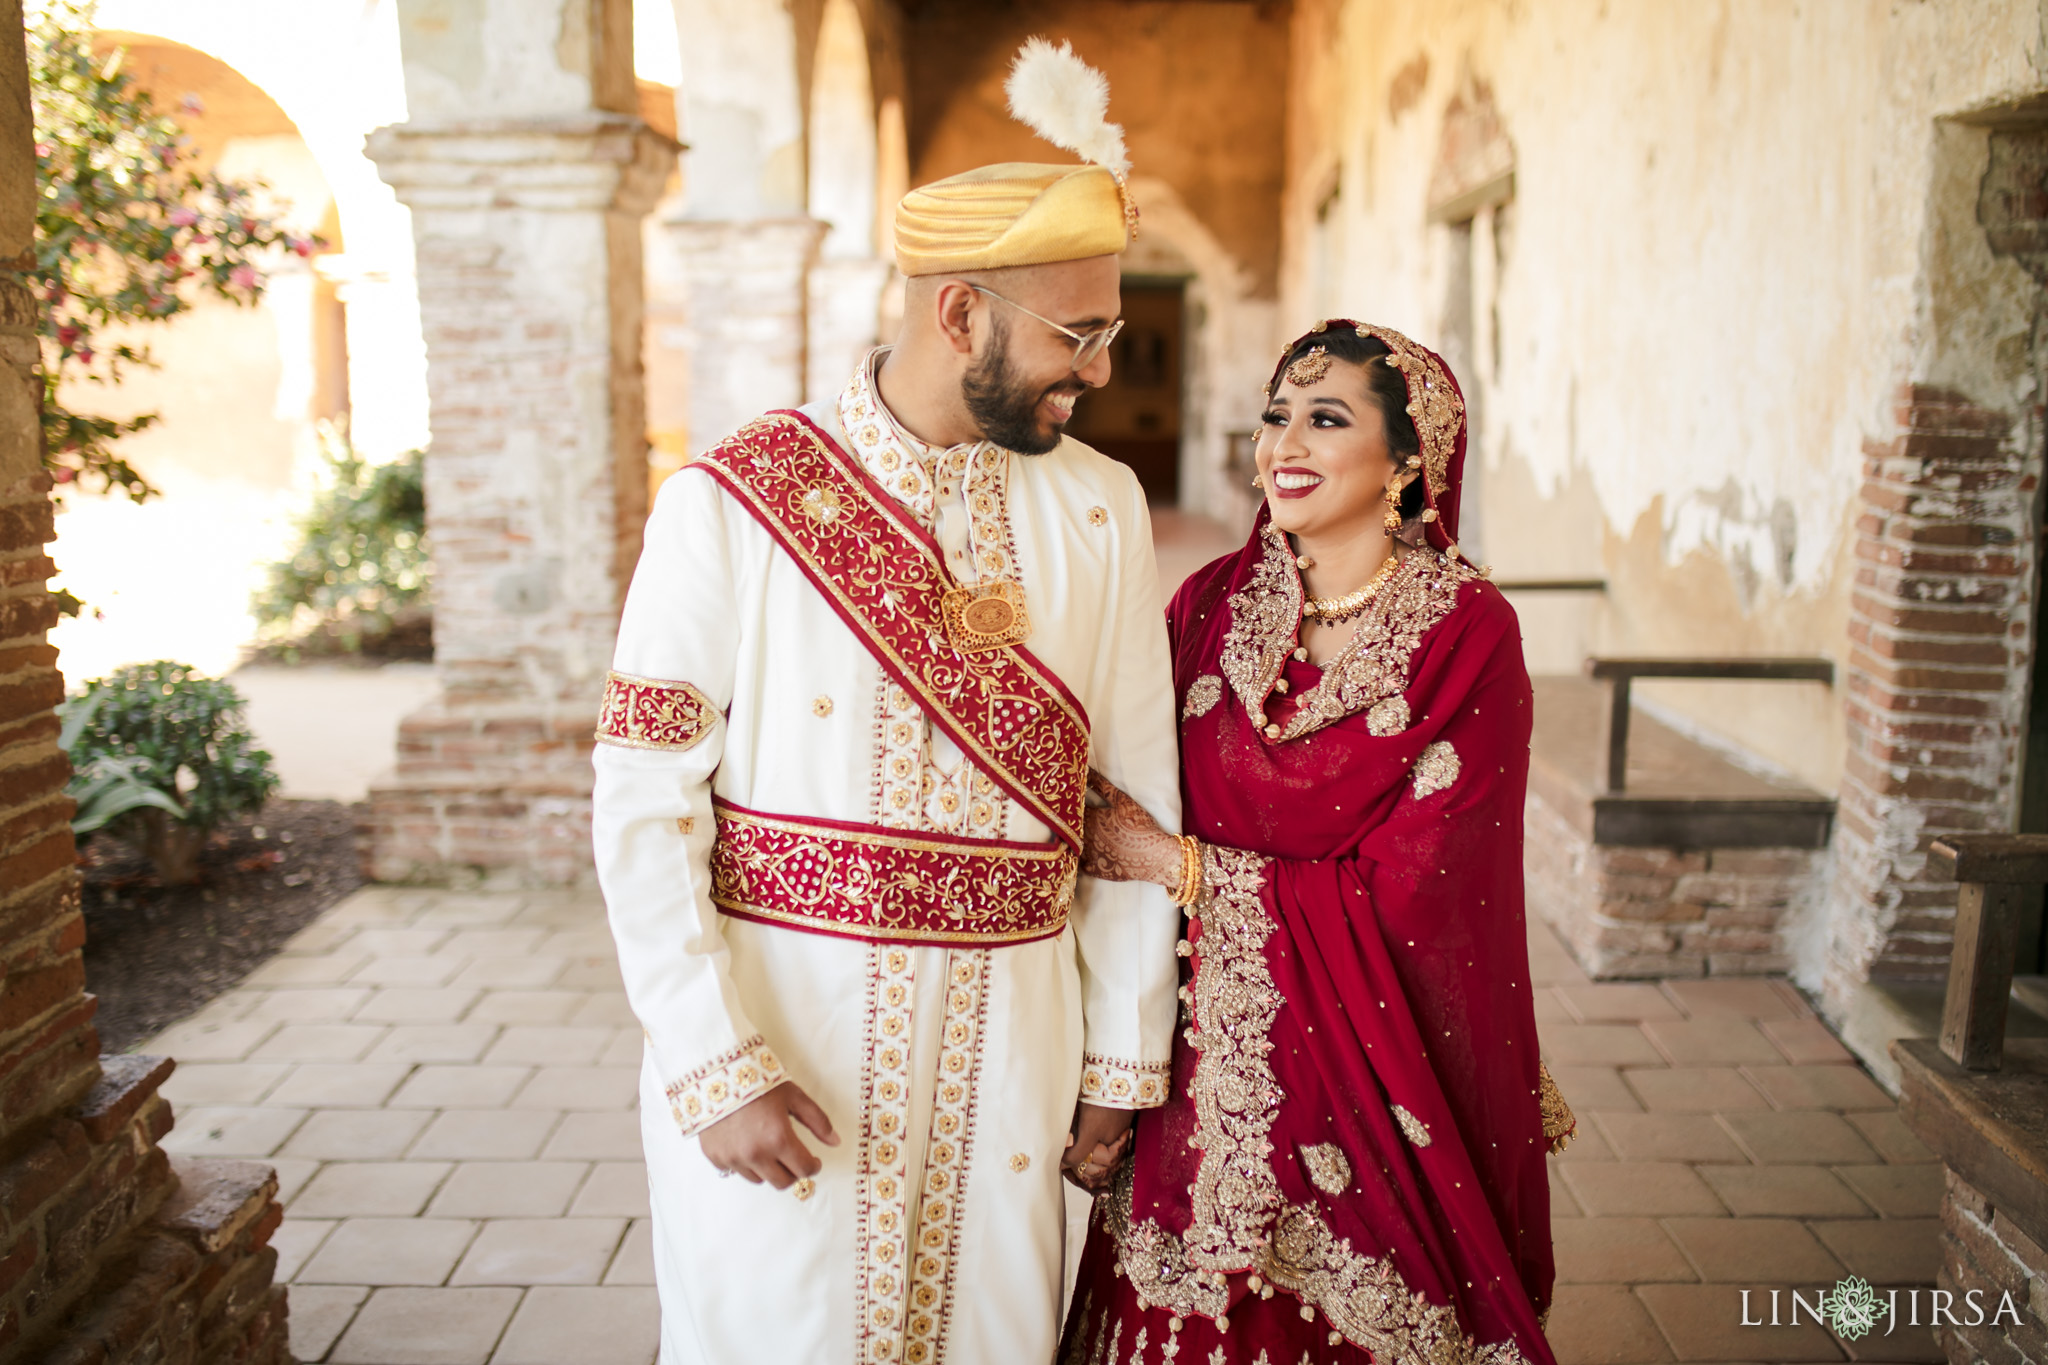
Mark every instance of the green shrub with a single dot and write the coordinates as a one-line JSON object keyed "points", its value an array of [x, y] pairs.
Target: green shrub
{"points": [[360, 561], [160, 727]]}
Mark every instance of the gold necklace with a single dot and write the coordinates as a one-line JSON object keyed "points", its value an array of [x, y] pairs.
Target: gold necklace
{"points": [[1334, 610]]}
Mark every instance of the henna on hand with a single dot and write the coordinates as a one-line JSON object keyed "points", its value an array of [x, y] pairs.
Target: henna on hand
{"points": [[1123, 843]]}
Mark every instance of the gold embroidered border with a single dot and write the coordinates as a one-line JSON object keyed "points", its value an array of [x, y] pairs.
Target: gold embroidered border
{"points": [[1560, 1125], [882, 575], [1240, 1222], [1116, 1083], [1371, 668], [703, 1095], [882, 1187], [859, 881], [948, 1155], [653, 713]]}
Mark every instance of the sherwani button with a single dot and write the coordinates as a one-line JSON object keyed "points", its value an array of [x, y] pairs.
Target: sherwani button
{"points": [[1020, 1163], [822, 707]]}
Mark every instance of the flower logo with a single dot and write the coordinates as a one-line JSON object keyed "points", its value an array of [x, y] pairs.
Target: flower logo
{"points": [[1852, 1307]]}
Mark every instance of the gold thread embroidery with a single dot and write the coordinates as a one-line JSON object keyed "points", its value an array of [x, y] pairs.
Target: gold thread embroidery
{"points": [[705, 1094], [883, 1190], [1436, 769], [1203, 694], [1412, 1128], [1122, 1084], [1372, 667], [1433, 403], [1239, 1219], [948, 1154], [1560, 1125], [1389, 717], [653, 713], [1311, 368], [1329, 1170]]}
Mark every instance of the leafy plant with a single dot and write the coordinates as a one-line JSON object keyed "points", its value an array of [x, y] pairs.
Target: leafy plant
{"points": [[105, 786], [361, 555], [182, 736], [126, 232]]}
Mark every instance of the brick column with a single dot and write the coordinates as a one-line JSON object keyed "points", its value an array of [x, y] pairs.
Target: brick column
{"points": [[1936, 687], [528, 240], [748, 289], [109, 1251]]}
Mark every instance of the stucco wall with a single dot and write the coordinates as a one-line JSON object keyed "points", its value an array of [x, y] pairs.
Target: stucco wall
{"points": [[1723, 252]]}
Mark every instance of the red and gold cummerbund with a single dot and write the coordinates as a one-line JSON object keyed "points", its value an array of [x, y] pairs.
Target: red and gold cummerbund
{"points": [[887, 885]]}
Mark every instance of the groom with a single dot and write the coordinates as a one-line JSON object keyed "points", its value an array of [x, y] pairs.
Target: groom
{"points": [[870, 651]]}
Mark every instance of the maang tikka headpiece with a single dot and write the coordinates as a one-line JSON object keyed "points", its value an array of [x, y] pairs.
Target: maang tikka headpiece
{"points": [[1310, 369]]}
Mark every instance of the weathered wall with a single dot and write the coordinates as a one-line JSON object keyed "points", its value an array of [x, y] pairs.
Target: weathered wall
{"points": [[1737, 267], [1695, 306]]}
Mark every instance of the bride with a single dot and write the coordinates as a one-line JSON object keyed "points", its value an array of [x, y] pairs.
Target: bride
{"points": [[1350, 1164]]}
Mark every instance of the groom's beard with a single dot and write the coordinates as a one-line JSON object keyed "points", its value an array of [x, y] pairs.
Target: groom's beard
{"points": [[1005, 405]]}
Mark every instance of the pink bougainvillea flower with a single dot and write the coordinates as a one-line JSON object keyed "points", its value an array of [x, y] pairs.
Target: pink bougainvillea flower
{"points": [[85, 355], [61, 474], [243, 277], [192, 104], [183, 217], [66, 335], [173, 258], [301, 246]]}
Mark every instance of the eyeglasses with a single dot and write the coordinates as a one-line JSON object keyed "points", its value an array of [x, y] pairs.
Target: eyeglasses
{"points": [[1087, 346]]}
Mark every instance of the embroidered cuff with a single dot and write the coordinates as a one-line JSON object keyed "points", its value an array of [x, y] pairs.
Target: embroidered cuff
{"points": [[704, 1096], [1115, 1083], [650, 713]]}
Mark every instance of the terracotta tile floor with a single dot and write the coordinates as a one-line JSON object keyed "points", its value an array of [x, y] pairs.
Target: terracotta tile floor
{"points": [[446, 1082], [1727, 1142]]}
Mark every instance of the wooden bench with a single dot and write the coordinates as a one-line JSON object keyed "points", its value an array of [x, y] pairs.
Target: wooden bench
{"points": [[1652, 853]]}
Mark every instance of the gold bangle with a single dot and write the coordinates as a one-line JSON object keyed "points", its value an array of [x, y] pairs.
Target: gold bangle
{"points": [[1190, 872]]}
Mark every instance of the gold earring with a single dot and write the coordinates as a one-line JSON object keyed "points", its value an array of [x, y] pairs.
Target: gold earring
{"points": [[1393, 496], [1258, 480]]}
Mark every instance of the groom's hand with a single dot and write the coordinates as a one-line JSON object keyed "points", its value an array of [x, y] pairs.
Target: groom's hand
{"points": [[1096, 1145], [758, 1140]]}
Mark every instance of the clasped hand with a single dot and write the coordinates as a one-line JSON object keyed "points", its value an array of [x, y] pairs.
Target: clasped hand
{"points": [[759, 1141], [1123, 843]]}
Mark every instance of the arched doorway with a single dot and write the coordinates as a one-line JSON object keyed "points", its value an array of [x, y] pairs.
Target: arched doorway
{"points": [[240, 392]]}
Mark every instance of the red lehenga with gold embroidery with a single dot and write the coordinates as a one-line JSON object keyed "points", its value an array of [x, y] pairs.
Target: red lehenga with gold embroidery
{"points": [[1350, 1165]]}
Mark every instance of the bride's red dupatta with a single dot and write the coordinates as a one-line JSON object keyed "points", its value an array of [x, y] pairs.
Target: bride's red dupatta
{"points": [[1352, 1155]]}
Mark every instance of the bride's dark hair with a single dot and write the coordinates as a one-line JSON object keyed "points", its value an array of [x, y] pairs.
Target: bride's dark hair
{"points": [[1388, 389]]}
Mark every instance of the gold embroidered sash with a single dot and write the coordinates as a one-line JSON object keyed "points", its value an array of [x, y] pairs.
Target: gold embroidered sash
{"points": [[888, 885], [886, 578]]}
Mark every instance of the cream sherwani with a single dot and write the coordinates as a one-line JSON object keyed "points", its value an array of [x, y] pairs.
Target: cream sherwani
{"points": [[935, 1232]]}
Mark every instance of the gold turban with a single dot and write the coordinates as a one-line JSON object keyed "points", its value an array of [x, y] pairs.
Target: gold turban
{"points": [[1016, 213]]}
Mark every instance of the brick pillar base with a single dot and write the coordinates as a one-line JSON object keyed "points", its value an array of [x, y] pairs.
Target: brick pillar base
{"points": [[528, 241], [1935, 686]]}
